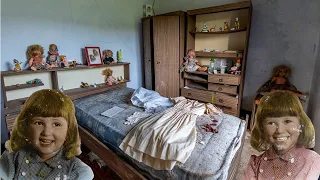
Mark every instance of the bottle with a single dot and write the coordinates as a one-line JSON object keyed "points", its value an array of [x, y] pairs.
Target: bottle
{"points": [[211, 67]]}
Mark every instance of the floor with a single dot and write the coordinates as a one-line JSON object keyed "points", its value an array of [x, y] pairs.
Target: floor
{"points": [[247, 151]]}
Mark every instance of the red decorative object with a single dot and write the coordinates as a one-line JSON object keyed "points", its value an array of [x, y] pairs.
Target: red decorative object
{"points": [[209, 128], [93, 55]]}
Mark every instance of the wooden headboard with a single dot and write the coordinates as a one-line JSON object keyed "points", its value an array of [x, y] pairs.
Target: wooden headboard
{"points": [[15, 89]]}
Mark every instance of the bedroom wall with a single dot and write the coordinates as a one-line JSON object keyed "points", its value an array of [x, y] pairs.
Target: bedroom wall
{"points": [[314, 103], [282, 32], [72, 25]]}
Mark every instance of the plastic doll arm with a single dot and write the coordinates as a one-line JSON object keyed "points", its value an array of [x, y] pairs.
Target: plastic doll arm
{"points": [[81, 171], [30, 62], [7, 170]]}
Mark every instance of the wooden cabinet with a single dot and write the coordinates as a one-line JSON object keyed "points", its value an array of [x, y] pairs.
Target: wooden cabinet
{"points": [[228, 46], [163, 50]]}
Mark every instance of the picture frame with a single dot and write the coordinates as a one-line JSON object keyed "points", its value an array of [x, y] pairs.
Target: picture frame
{"points": [[93, 55]]}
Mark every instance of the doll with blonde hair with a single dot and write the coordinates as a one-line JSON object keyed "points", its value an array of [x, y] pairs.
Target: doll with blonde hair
{"points": [[44, 141], [284, 132]]}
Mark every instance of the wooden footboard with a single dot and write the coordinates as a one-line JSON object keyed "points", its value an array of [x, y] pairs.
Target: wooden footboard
{"points": [[119, 166]]}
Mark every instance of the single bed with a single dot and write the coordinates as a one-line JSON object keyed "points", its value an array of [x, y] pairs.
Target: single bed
{"points": [[103, 135]]}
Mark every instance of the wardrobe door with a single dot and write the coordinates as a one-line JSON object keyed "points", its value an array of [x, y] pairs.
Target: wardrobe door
{"points": [[166, 55], [147, 54]]}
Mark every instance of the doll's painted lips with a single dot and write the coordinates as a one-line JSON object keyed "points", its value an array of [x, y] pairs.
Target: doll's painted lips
{"points": [[45, 141], [282, 138]]}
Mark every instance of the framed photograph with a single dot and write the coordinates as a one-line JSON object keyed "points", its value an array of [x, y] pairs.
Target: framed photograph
{"points": [[93, 55]]}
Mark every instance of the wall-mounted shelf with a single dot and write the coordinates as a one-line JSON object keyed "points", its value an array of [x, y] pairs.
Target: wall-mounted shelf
{"points": [[78, 67], [22, 86], [216, 54], [220, 32], [14, 106]]}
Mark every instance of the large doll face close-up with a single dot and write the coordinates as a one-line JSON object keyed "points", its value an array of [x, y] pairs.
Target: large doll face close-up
{"points": [[47, 135], [282, 132]]}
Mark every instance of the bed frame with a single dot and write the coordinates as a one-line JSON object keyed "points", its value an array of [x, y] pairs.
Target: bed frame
{"points": [[112, 160]]}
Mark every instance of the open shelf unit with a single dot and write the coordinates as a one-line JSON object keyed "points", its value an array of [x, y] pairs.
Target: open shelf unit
{"points": [[228, 46], [14, 106]]}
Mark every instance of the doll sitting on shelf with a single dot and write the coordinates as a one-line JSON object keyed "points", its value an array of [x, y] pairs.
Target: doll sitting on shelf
{"points": [[279, 81], [191, 64], [35, 54], [109, 79]]}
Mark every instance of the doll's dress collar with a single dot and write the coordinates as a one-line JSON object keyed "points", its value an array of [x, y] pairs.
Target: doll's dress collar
{"points": [[56, 161], [288, 156]]}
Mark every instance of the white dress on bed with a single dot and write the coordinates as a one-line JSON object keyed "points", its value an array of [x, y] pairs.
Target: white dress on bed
{"points": [[167, 137]]}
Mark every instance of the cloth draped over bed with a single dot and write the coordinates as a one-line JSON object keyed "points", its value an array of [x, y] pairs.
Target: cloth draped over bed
{"points": [[208, 160]]}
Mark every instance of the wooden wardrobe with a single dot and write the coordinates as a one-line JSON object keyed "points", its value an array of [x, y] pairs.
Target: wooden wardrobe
{"points": [[163, 52]]}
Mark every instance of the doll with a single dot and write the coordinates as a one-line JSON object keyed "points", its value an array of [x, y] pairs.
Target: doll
{"points": [[35, 54], [44, 141], [17, 66], [237, 68], [191, 64], [283, 132], [53, 56], [63, 61], [225, 27], [279, 81], [108, 57], [108, 78]]}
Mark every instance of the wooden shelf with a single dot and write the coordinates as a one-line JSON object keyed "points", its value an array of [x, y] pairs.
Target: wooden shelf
{"points": [[205, 73], [220, 32], [216, 54], [222, 8], [22, 86], [195, 78], [78, 67], [15, 106]]}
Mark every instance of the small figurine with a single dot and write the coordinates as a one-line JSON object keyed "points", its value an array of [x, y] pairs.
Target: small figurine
{"points": [[108, 57], [225, 28], [94, 85], [61, 89], [84, 85], [205, 28], [108, 78], [213, 29], [72, 63], [191, 64], [119, 56], [220, 29], [279, 81], [237, 68], [35, 54], [120, 79], [237, 24], [34, 81], [63, 61], [53, 56], [17, 66]]}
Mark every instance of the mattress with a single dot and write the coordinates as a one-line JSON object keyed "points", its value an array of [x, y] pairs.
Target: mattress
{"points": [[210, 159]]}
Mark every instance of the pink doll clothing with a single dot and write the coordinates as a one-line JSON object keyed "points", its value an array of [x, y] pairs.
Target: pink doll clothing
{"points": [[191, 65], [298, 163]]}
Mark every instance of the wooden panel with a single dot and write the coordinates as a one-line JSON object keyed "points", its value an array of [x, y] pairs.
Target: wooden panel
{"points": [[224, 79], [191, 24], [194, 77], [4, 94], [10, 120], [216, 54], [22, 86], [123, 170], [223, 88], [166, 55], [228, 110], [204, 96], [54, 79], [225, 100], [147, 55], [215, 9], [126, 72]]}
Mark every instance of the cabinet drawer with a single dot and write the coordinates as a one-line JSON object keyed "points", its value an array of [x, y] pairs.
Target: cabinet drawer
{"points": [[225, 100], [204, 96], [224, 79], [223, 88]]}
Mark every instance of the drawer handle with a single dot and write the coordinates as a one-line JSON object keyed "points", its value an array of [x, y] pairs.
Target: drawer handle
{"points": [[189, 94], [158, 62], [149, 60], [220, 80], [220, 89], [220, 101]]}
